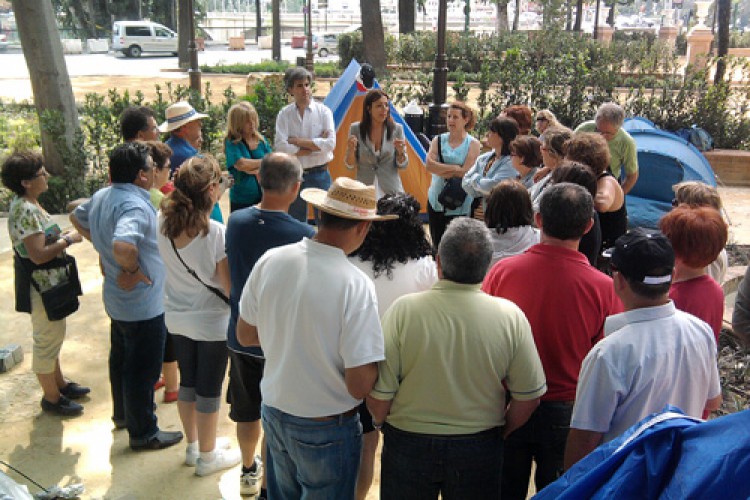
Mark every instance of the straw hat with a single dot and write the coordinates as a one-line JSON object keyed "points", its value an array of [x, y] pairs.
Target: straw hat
{"points": [[346, 198], [178, 114]]}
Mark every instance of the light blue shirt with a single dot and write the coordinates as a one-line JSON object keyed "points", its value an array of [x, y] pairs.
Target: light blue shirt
{"points": [[123, 212], [479, 184], [452, 157]]}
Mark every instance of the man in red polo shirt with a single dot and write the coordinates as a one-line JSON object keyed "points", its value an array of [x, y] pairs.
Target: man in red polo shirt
{"points": [[566, 301]]}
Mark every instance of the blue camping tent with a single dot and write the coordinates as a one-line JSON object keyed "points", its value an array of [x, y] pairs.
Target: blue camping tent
{"points": [[664, 159], [666, 455]]}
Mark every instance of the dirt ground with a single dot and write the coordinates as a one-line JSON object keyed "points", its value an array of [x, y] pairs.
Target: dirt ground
{"points": [[53, 451]]}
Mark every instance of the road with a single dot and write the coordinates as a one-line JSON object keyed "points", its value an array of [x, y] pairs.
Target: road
{"points": [[111, 64]]}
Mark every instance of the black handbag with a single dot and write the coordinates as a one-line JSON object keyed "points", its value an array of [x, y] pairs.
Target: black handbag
{"points": [[452, 195], [61, 300]]}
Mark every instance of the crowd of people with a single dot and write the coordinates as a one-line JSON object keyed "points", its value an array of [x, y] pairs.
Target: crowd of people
{"points": [[528, 327]]}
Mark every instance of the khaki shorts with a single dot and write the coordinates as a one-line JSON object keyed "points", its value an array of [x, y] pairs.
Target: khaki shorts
{"points": [[48, 337]]}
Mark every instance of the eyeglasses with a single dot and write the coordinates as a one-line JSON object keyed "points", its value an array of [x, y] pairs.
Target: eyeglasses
{"points": [[675, 202], [541, 119], [513, 154]]}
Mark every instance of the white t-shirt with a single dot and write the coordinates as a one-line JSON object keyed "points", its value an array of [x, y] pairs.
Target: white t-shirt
{"points": [[191, 309], [414, 276], [649, 358], [316, 315]]}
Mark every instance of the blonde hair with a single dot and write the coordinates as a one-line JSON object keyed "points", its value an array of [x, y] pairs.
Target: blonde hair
{"points": [[697, 194], [187, 208], [240, 114], [549, 116]]}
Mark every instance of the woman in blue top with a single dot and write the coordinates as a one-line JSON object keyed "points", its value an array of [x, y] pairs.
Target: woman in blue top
{"points": [[494, 166], [459, 151], [244, 147]]}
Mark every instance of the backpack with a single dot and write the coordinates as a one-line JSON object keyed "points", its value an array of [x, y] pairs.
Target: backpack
{"points": [[698, 137]]}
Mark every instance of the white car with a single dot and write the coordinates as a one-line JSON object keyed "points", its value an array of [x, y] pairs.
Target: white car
{"points": [[133, 38], [324, 44]]}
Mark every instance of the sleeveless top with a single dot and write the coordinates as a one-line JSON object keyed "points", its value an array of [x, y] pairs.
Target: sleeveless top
{"points": [[613, 224], [451, 156]]}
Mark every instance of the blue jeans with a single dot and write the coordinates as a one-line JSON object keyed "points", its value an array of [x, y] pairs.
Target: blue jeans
{"points": [[135, 357], [542, 439], [308, 459], [320, 178], [423, 466]]}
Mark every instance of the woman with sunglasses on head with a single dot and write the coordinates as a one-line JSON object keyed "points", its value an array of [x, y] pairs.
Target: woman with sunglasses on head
{"points": [[494, 166], [451, 155], [192, 248], [376, 147], [37, 241], [544, 120], [553, 154]]}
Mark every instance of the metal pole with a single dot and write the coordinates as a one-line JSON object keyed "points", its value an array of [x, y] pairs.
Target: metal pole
{"points": [[194, 72], [596, 20], [309, 56], [440, 76]]}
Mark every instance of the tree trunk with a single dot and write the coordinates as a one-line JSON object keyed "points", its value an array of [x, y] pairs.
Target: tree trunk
{"points": [[502, 15], [276, 38], [406, 16], [723, 15], [83, 17], [373, 40], [183, 31], [517, 15], [579, 16], [50, 82]]}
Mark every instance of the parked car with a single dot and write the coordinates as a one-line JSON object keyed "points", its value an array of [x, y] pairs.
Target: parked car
{"points": [[324, 44], [132, 38]]}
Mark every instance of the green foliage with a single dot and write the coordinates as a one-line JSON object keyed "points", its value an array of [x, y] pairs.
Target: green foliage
{"points": [[268, 97], [245, 68], [739, 40], [71, 184], [350, 47]]}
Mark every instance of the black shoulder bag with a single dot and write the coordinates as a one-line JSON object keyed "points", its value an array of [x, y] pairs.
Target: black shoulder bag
{"points": [[61, 300], [192, 273], [453, 195]]}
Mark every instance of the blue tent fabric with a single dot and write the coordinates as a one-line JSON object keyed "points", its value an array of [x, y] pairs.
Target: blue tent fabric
{"points": [[666, 455], [664, 159]]}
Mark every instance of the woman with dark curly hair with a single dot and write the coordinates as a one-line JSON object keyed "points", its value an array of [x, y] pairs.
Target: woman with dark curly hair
{"points": [[398, 257]]}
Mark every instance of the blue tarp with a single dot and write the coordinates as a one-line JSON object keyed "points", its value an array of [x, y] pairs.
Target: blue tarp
{"points": [[666, 455], [664, 159]]}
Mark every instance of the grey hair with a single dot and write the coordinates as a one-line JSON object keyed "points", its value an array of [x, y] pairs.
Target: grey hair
{"points": [[465, 251], [295, 74], [279, 172], [611, 112]]}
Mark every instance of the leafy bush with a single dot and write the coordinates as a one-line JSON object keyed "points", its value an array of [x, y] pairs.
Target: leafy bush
{"points": [[268, 97], [245, 68]]}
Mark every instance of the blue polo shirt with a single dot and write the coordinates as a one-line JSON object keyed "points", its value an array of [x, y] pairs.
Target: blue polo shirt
{"points": [[181, 151], [123, 212]]}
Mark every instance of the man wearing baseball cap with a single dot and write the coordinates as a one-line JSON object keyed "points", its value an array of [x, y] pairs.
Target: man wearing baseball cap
{"points": [[316, 317], [652, 354]]}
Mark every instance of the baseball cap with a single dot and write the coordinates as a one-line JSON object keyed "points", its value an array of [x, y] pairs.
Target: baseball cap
{"points": [[643, 255]]}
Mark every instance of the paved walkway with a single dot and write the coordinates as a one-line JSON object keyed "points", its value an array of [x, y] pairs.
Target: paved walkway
{"points": [[59, 451]]}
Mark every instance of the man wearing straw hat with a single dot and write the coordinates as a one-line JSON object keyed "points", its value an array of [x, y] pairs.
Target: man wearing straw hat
{"points": [[306, 130], [183, 125], [322, 341]]}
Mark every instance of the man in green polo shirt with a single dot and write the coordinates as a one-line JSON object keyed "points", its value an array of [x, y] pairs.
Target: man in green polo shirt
{"points": [[440, 397], [608, 122]]}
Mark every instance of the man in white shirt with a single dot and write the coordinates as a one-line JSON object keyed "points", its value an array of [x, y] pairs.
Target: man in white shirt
{"points": [[652, 355], [322, 339], [306, 130]]}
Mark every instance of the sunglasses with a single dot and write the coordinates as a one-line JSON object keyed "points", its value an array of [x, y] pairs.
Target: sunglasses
{"points": [[541, 119]]}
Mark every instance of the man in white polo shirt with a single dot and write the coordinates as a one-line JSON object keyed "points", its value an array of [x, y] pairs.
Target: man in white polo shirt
{"points": [[306, 130], [316, 317]]}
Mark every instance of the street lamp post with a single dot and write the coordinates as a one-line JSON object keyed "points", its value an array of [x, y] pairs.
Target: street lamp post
{"points": [[440, 75], [309, 54], [194, 72]]}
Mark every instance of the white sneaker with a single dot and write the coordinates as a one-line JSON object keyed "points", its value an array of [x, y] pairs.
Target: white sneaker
{"points": [[250, 481], [191, 456], [223, 459]]}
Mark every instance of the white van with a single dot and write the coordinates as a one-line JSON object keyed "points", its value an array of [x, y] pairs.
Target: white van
{"points": [[132, 38]]}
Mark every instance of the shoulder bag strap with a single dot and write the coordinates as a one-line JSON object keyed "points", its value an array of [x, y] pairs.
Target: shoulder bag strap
{"points": [[440, 148], [192, 273], [30, 270]]}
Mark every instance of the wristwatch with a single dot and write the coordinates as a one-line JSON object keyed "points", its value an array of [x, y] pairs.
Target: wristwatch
{"points": [[68, 239]]}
